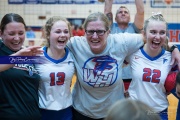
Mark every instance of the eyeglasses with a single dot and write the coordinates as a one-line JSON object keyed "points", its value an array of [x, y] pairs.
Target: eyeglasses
{"points": [[98, 32]]}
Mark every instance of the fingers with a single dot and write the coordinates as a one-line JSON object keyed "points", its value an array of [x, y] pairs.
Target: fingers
{"points": [[126, 94], [36, 51], [30, 51]]}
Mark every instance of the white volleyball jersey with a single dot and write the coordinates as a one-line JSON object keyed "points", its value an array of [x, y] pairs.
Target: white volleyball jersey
{"points": [[148, 78], [99, 81], [56, 77]]}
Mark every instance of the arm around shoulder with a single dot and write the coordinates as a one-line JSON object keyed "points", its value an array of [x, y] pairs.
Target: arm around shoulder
{"points": [[30, 51]]}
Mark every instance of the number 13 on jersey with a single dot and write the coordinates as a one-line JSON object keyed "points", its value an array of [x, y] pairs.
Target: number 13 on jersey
{"points": [[60, 78]]}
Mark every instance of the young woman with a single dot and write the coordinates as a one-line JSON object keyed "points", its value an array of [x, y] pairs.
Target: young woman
{"points": [[55, 97], [18, 82], [150, 67]]}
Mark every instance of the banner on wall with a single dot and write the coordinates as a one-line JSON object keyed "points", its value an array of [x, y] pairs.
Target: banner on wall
{"points": [[174, 32], [68, 1], [16, 1], [165, 3]]}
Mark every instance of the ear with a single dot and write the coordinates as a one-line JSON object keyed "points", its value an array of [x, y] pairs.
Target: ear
{"points": [[108, 32], [143, 33], [116, 19]]}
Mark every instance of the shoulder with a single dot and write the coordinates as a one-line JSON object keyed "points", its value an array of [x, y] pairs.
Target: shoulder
{"points": [[167, 53], [77, 39], [126, 36], [77, 42]]}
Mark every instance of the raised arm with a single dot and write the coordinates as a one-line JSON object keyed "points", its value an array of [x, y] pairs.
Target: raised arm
{"points": [[139, 17], [108, 10]]}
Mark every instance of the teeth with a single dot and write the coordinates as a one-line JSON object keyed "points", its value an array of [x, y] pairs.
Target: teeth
{"points": [[156, 42], [95, 41]]}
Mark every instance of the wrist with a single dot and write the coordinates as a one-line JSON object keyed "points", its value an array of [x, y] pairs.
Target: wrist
{"points": [[172, 48]]}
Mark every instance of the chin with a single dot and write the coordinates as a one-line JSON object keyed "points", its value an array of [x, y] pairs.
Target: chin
{"points": [[96, 50], [17, 48]]}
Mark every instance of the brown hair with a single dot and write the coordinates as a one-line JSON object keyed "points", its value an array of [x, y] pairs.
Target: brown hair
{"points": [[11, 17]]}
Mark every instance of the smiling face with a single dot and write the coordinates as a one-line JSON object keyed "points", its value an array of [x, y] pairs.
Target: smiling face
{"points": [[14, 35], [59, 35], [97, 42], [155, 35]]}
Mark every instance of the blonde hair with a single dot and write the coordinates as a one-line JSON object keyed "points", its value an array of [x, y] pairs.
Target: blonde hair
{"points": [[131, 110], [97, 16]]}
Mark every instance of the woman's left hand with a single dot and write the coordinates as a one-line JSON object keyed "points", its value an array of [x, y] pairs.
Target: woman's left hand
{"points": [[175, 57]]}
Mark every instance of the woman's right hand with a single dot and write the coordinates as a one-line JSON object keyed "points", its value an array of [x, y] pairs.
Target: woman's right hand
{"points": [[30, 51]]}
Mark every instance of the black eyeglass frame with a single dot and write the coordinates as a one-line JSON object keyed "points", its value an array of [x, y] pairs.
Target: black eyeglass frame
{"points": [[98, 32]]}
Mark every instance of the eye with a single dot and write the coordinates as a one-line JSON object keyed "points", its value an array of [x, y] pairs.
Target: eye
{"points": [[21, 33], [163, 32], [58, 32], [153, 32], [125, 12], [90, 31], [66, 32], [11, 34], [99, 31]]}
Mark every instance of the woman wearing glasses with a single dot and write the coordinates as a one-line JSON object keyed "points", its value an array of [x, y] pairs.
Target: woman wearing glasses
{"points": [[98, 60]]}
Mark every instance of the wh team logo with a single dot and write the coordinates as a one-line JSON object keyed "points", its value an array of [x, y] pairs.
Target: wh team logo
{"points": [[102, 73]]}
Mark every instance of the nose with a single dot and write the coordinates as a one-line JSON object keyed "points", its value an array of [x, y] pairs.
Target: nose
{"points": [[62, 33], [158, 36], [17, 37], [94, 35]]}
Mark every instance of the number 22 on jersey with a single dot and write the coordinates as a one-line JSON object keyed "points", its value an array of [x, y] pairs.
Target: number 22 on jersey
{"points": [[151, 75]]}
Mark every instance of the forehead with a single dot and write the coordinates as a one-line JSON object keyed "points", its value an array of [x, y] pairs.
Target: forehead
{"points": [[157, 25], [96, 25], [123, 9], [15, 26], [60, 24]]}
